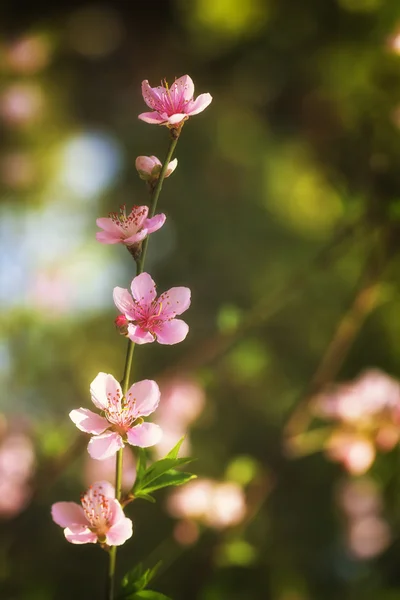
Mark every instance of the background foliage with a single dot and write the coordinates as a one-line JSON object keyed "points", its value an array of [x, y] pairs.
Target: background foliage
{"points": [[284, 205]]}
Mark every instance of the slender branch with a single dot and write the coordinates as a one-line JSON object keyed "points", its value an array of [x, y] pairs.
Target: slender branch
{"points": [[131, 346], [156, 193], [363, 303]]}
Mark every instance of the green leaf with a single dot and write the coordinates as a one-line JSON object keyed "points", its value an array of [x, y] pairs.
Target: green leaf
{"points": [[173, 453], [148, 595], [170, 478], [156, 470], [137, 579], [141, 463]]}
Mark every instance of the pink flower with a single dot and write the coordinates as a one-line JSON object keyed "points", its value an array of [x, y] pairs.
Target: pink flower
{"points": [[149, 167], [172, 105], [128, 230], [152, 318], [99, 519], [123, 420]]}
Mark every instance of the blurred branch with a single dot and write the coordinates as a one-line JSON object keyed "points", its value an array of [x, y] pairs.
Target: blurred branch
{"points": [[211, 349], [364, 301]]}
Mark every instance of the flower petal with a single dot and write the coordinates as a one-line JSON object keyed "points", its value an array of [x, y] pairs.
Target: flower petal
{"points": [[120, 532], [105, 445], [138, 335], [123, 301], [198, 105], [153, 118], [108, 225], [136, 238], [104, 237], [104, 487], [153, 96], [68, 513], [171, 167], [174, 302], [182, 89], [144, 435], [155, 223], [98, 391], [82, 535], [172, 332], [146, 395], [143, 289], [88, 421], [177, 118]]}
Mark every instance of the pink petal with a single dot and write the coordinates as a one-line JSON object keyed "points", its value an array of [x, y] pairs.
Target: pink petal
{"points": [[120, 532], [66, 514], [105, 445], [152, 96], [146, 394], [172, 332], [156, 160], [171, 167], [104, 487], [136, 238], [177, 118], [174, 302], [138, 335], [152, 117], [108, 238], [183, 88], [88, 421], [144, 435], [98, 391], [123, 301], [198, 105], [101, 387], [80, 536], [108, 225], [143, 289], [155, 223]]}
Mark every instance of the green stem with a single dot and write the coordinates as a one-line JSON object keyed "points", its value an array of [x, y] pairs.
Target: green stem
{"points": [[129, 353], [155, 195]]}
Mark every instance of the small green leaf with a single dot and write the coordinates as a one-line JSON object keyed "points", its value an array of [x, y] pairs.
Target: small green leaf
{"points": [[137, 580], [145, 496], [141, 463], [173, 453], [148, 595], [168, 479], [156, 470]]}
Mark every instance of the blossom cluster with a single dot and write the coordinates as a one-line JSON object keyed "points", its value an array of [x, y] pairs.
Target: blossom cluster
{"points": [[144, 318], [366, 418]]}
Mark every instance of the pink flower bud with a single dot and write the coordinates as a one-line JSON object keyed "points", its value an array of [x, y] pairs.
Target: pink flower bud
{"points": [[149, 167], [121, 323]]}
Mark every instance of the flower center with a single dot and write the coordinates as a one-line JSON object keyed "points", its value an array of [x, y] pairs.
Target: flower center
{"points": [[131, 222], [97, 510]]}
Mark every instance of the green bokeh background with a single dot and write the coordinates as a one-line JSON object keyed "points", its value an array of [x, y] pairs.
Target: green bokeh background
{"points": [[296, 158]]}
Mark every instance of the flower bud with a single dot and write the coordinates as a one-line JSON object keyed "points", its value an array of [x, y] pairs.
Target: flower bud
{"points": [[121, 323], [149, 167]]}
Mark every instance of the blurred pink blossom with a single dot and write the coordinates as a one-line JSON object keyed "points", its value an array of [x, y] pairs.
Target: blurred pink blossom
{"points": [[28, 54], [21, 104], [213, 503], [355, 452], [99, 470], [151, 318], [120, 228], [149, 167], [123, 420], [368, 537], [172, 105], [99, 519], [366, 413], [183, 402], [17, 464], [17, 170]]}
